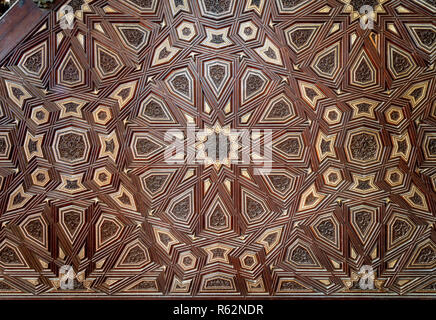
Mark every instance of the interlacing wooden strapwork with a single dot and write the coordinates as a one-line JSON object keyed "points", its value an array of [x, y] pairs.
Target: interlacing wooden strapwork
{"points": [[83, 176]]}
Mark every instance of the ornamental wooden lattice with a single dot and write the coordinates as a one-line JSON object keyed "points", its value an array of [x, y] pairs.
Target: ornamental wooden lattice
{"points": [[85, 183]]}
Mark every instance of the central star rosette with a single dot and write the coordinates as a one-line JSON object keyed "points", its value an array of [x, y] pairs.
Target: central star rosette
{"points": [[217, 146]]}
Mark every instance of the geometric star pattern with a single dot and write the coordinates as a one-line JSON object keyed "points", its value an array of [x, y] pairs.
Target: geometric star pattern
{"points": [[84, 117]]}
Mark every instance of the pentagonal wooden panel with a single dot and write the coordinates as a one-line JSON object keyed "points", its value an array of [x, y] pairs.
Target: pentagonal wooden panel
{"points": [[91, 114]]}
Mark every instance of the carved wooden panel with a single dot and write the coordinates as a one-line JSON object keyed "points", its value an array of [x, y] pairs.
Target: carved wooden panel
{"points": [[85, 182]]}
